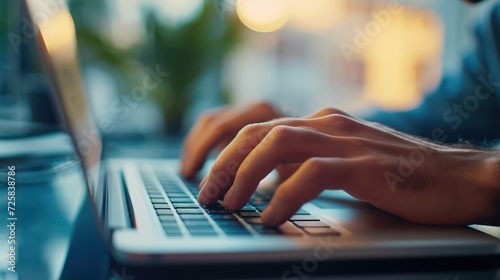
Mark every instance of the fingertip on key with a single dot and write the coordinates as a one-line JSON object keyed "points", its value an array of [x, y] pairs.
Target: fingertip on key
{"points": [[202, 199], [185, 171], [270, 216], [229, 200]]}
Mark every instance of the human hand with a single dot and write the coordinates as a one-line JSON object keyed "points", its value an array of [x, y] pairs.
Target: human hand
{"points": [[216, 128], [421, 181]]}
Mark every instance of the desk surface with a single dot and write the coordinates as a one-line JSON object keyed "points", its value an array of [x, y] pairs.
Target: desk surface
{"points": [[56, 237]]}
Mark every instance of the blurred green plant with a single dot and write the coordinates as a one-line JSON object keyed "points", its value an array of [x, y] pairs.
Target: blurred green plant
{"points": [[185, 51]]}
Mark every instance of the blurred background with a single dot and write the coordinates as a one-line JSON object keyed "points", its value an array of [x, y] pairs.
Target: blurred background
{"points": [[299, 54]]}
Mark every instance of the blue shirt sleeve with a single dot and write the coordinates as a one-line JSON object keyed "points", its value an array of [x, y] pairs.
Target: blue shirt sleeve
{"points": [[465, 107]]}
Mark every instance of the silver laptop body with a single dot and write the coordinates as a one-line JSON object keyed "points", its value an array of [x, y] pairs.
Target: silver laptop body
{"points": [[149, 215]]}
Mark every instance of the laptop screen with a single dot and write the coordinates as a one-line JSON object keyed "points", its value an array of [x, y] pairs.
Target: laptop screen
{"points": [[54, 26]]}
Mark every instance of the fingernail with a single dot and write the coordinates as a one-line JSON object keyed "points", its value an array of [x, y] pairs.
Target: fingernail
{"points": [[269, 216]]}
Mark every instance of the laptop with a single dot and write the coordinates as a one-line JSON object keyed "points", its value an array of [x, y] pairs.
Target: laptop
{"points": [[148, 214]]}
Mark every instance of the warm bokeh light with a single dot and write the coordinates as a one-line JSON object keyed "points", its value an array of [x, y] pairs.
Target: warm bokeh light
{"points": [[396, 56], [316, 15], [263, 15]]}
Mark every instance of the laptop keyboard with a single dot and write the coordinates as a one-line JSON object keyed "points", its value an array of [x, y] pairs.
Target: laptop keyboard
{"points": [[180, 214]]}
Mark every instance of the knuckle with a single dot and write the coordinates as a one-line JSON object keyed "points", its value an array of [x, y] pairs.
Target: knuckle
{"points": [[249, 129], [326, 111], [267, 110], [206, 116], [315, 165], [280, 133], [220, 127], [340, 121], [263, 106]]}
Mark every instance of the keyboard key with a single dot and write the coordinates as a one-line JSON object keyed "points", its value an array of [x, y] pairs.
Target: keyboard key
{"points": [[199, 227], [178, 195], [289, 229], [216, 206], [171, 227], [235, 230], [246, 209], [180, 199], [217, 211], [285, 229], [158, 200], [204, 233], [228, 223], [188, 211], [185, 205], [169, 184], [169, 224], [154, 193], [261, 208], [267, 229], [308, 224], [158, 195], [249, 214], [164, 212], [301, 212], [166, 218], [161, 206], [192, 184], [254, 221], [303, 218], [201, 230], [321, 231], [223, 217], [173, 232], [197, 223], [173, 191], [192, 217]]}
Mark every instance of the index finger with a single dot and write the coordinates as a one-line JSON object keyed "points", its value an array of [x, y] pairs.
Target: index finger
{"points": [[214, 127], [223, 171]]}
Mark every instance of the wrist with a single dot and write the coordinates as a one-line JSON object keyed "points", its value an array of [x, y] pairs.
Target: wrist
{"points": [[487, 189]]}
